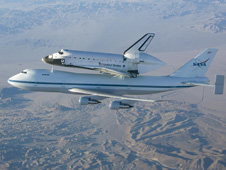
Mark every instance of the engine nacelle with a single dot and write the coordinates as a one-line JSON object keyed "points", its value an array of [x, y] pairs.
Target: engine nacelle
{"points": [[115, 105], [88, 100]]}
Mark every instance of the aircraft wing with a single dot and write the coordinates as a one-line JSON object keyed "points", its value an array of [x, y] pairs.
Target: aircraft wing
{"points": [[108, 95]]}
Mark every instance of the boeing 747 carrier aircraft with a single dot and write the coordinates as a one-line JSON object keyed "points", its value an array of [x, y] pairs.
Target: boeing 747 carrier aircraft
{"points": [[129, 64], [97, 87]]}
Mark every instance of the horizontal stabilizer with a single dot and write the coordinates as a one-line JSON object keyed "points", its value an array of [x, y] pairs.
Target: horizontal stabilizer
{"points": [[219, 84]]}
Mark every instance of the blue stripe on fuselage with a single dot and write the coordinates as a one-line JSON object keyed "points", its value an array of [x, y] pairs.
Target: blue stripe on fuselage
{"points": [[104, 85]]}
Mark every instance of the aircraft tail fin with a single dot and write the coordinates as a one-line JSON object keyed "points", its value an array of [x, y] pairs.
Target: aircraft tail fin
{"points": [[141, 45], [198, 66]]}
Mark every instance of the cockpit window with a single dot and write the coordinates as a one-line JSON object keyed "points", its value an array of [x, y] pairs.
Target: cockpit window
{"points": [[24, 72], [61, 52]]}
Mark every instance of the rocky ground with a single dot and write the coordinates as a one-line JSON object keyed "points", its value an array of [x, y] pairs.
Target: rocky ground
{"points": [[43, 131]]}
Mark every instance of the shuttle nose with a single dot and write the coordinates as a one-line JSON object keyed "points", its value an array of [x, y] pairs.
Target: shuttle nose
{"points": [[51, 60], [47, 59]]}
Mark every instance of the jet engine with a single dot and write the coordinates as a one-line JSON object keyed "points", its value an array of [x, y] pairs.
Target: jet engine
{"points": [[115, 105], [88, 100]]}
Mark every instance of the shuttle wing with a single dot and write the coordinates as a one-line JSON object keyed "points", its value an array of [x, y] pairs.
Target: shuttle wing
{"points": [[111, 71], [106, 70], [108, 95]]}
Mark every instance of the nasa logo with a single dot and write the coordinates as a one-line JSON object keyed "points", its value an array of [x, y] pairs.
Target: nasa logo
{"points": [[200, 64]]}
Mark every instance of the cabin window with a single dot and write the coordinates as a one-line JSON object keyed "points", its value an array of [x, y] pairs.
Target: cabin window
{"points": [[75, 57], [88, 58], [45, 74], [80, 58]]}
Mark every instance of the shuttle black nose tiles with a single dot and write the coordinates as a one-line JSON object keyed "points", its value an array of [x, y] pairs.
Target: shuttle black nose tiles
{"points": [[52, 61], [46, 59]]}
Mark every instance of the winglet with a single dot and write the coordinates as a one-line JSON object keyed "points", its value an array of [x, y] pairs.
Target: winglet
{"points": [[219, 84]]}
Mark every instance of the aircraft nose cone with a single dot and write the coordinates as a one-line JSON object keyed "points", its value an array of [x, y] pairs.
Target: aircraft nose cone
{"points": [[10, 81], [47, 60], [51, 60]]}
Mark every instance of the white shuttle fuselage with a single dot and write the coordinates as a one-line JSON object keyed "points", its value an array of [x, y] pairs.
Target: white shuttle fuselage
{"points": [[97, 87], [129, 64]]}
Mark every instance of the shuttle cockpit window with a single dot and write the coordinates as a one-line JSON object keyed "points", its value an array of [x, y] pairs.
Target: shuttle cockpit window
{"points": [[61, 52], [24, 72]]}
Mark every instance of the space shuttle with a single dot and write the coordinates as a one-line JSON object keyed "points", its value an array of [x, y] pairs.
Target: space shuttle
{"points": [[129, 64], [96, 87]]}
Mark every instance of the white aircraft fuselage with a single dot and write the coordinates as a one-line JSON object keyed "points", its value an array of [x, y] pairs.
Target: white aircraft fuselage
{"points": [[97, 87], [60, 81]]}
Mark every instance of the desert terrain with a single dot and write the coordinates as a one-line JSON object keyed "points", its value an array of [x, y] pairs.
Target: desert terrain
{"points": [[52, 131]]}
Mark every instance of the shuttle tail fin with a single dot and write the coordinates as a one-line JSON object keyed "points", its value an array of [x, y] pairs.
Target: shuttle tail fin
{"points": [[198, 66], [141, 45], [134, 51]]}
